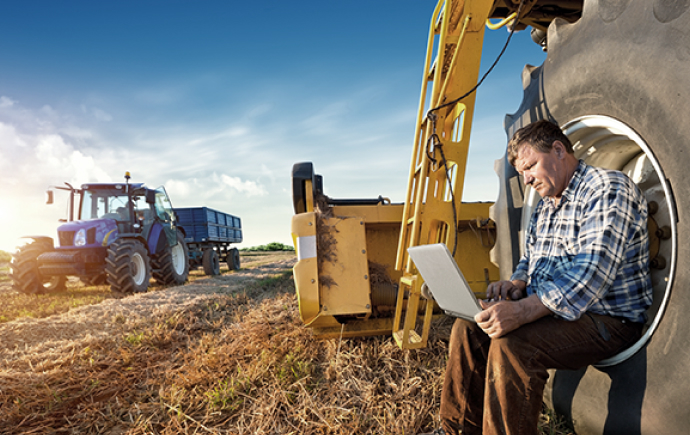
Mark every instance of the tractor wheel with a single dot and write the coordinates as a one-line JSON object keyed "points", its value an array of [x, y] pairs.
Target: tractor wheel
{"points": [[233, 259], [127, 266], [25, 275], [616, 81], [210, 262], [172, 265]]}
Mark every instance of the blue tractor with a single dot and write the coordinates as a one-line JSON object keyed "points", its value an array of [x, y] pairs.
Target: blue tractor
{"points": [[123, 234]]}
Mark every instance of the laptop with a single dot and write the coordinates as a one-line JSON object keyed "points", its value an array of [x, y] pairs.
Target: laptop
{"points": [[445, 280]]}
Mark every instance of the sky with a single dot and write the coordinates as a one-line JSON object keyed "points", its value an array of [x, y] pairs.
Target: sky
{"points": [[216, 100]]}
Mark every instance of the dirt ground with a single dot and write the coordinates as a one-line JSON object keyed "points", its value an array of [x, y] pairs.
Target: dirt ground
{"points": [[46, 339]]}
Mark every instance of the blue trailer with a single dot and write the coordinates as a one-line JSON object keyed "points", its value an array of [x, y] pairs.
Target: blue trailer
{"points": [[209, 234]]}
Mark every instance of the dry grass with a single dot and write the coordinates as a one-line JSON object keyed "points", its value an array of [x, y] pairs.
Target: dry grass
{"points": [[239, 363], [4, 272], [17, 304]]}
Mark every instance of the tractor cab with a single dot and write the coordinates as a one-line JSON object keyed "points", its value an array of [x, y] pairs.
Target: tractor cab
{"points": [[125, 204], [134, 207]]}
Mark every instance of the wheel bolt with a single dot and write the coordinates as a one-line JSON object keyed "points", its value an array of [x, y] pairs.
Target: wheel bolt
{"points": [[664, 233], [652, 207], [658, 263]]}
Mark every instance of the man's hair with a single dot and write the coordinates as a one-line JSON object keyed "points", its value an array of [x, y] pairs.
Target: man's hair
{"points": [[540, 136]]}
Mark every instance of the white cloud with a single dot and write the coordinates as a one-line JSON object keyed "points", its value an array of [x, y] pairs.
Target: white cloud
{"points": [[179, 189], [74, 132], [6, 101], [251, 188], [47, 110], [9, 137], [213, 186], [33, 156]]}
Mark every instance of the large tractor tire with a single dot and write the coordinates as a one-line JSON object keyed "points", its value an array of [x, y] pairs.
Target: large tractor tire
{"points": [[233, 259], [172, 265], [25, 275], [127, 266], [618, 82], [210, 262]]}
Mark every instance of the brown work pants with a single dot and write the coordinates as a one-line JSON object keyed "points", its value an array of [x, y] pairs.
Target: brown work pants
{"points": [[495, 386]]}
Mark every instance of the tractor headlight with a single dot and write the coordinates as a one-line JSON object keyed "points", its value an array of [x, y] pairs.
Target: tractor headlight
{"points": [[80, 238]]}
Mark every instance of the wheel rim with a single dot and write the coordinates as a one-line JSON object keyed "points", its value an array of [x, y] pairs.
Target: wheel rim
{"points": [[138, 268], [608, 143], [51, 282], [178, 258]]}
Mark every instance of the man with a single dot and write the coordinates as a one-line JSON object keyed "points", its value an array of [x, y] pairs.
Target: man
{"points": [[578, 295]]}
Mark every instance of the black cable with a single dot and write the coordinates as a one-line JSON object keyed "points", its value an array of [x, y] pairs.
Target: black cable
{"points": [[436, 143]]}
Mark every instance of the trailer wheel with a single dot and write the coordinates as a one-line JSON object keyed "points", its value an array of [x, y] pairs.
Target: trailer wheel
{"points": [[234, 259], [210, 262], [127, 266], [616, 83], [172, 265], [25, 275]]}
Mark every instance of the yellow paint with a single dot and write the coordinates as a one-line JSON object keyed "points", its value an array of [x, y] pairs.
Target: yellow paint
{"points": [[501, 23], [309, 191], [361, 234], [348, 274], [107, 236], [305, 272]]}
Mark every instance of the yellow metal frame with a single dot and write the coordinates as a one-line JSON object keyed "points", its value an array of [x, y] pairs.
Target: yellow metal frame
{"points": [[457, 33], [503, 22]]}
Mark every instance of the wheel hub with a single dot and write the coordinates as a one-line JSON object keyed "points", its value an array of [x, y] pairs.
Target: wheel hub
{"points": [[138, 269], [178, 259]]}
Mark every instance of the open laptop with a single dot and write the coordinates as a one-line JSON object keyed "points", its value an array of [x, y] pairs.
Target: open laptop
{"points": [[445, 280]]}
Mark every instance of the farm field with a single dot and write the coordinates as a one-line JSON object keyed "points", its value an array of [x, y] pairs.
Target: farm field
{"points": [[221, 355]]}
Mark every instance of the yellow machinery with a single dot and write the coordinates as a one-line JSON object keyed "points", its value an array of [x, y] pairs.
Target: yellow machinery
{"points": [[354, 276]]}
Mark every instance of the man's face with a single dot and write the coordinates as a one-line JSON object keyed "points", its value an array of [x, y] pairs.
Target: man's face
{"points": [[545, 172]]}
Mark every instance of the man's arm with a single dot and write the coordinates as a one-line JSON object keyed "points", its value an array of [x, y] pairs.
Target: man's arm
{"points": [[613, 220]]}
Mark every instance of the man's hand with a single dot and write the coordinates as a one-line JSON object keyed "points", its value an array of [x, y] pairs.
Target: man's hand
{"points": [[504, 290], [499, 318]]}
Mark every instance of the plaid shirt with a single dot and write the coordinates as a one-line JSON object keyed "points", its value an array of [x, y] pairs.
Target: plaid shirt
{"points": [[591, 251]]}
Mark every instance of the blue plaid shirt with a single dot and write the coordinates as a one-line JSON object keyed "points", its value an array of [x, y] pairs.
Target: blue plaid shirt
{"points": [[591, 251]]}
